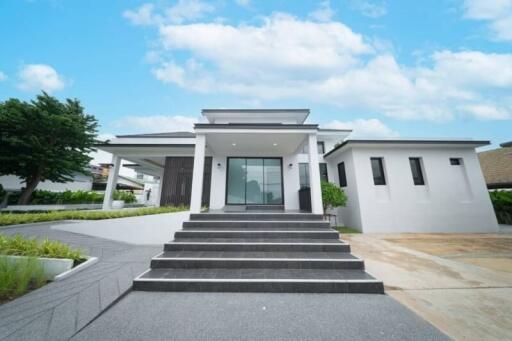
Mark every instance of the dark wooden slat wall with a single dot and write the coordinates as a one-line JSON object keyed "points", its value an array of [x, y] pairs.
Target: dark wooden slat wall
{"points": [[177, 181]]}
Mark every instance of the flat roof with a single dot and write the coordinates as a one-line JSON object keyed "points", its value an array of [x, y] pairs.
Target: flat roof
{"points": [[252, 111], [506, 144], [477, 143], [255, 126], [247, 115], [175, 134]]}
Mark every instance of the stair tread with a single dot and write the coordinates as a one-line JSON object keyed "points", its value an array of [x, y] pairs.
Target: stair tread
{"points": [[259, 240], [254, 254], [219, 274]]}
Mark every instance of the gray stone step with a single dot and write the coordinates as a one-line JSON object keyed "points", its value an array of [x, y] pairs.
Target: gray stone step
{"points": [[167, 261], [267, 225], [257, 216], [261, 245], [303, 234], [259, 280]]}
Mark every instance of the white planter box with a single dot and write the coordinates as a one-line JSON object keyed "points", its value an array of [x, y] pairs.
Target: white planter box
{"points": [[54, 268], [117, 204]]}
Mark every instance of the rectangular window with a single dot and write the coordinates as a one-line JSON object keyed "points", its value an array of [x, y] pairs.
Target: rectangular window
{"points": [[342, 175], [455, 161], [321, 147], [323, 172], [378, 171], [417, 174], [304, 175]]}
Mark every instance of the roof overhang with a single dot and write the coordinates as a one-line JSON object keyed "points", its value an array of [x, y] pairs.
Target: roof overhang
{"points": [[407, 143], [297, 116]]}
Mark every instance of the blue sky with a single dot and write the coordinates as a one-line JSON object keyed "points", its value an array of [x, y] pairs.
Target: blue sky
{"points": [[440, 68]]}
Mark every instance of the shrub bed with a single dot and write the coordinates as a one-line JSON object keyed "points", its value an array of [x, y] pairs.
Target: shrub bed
{"points": [[502, 203], [18, 278], [24, 218], [42, 197], [20, 246]]}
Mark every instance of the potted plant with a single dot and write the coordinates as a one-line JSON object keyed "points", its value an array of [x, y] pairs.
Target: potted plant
{"points": [[332, 197]]}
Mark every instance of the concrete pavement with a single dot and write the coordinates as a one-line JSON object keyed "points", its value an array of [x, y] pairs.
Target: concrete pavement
{"points": [[254, 316], [461, 283]]}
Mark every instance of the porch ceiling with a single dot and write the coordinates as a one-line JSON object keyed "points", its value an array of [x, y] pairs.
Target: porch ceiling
{"points": [[254, 144]]}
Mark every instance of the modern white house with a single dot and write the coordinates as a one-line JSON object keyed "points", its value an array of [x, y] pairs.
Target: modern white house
{"points": [[270, 158]]}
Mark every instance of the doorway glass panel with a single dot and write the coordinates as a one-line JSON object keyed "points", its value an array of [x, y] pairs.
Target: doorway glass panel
{"points": [[236, 181], [254, 181]]}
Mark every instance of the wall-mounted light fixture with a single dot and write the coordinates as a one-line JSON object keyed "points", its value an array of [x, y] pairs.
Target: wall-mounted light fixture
{"points": [[218, 165], [290, 165]]}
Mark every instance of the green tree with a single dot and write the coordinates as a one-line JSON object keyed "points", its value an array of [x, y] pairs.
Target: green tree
{"points": [[332, 196], [44, 139]]}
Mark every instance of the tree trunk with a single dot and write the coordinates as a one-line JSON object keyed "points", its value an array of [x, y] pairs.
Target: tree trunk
{"points": [[26, 194]]}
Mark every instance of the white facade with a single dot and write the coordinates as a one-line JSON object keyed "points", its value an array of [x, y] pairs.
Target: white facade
{"points": [[453, 198]]}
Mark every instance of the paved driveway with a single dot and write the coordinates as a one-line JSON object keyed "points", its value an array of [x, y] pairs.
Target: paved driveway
{"points": [[461, 283], [92, 305], [58, 310], [253, 316]]}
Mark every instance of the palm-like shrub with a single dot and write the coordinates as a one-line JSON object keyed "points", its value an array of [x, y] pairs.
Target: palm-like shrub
{"points": [[332, 196]]}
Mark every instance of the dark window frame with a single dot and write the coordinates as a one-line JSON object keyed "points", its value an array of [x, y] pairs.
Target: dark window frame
{"points": [[378, 180], [455, 161], [342, 174], [320, 165], [416, 164], [322, 144], [246, 158]]}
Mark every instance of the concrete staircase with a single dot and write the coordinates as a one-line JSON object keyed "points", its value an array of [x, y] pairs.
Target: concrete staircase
{"points": [[257, 252]]}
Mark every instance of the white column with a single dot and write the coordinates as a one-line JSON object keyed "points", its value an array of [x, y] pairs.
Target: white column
{"points": [[111, 182], [314, 177], [197, 174], [160, 187]]}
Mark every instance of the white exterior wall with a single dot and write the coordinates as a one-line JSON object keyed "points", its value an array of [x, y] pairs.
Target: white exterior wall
{"points": [[81, 182], [349, 215], [454, 198]]}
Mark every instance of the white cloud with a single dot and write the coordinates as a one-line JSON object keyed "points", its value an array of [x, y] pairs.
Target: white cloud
{"points": [[370, 128], [143, 16], [3, 76], [157, 123], [36, 77], [498, 14], [487, 112], [372, 9], [243, 3], [285, 57], [182, 11], [323, 13]]}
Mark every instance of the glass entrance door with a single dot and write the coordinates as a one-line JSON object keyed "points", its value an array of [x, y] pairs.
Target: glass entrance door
{"points": [[254, 181]]}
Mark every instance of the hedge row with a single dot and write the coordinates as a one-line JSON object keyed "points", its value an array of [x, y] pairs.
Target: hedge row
{"points": [[502, 203], [42, 197]]}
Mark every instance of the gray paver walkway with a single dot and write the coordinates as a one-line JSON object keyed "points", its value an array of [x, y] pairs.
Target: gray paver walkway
{"points": [[253, 316], [59, 309]]}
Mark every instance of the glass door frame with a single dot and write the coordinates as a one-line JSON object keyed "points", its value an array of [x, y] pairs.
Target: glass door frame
{"points": [[253, 157]]}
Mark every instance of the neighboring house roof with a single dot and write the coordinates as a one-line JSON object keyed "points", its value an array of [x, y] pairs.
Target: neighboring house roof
{"points": [[497, 167], [506, 144], [123, 182], [175, 134], [472, 143]]}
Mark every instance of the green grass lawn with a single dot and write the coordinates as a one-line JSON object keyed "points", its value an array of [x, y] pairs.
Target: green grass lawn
{"points": [[344, 229], [25, 218]]}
